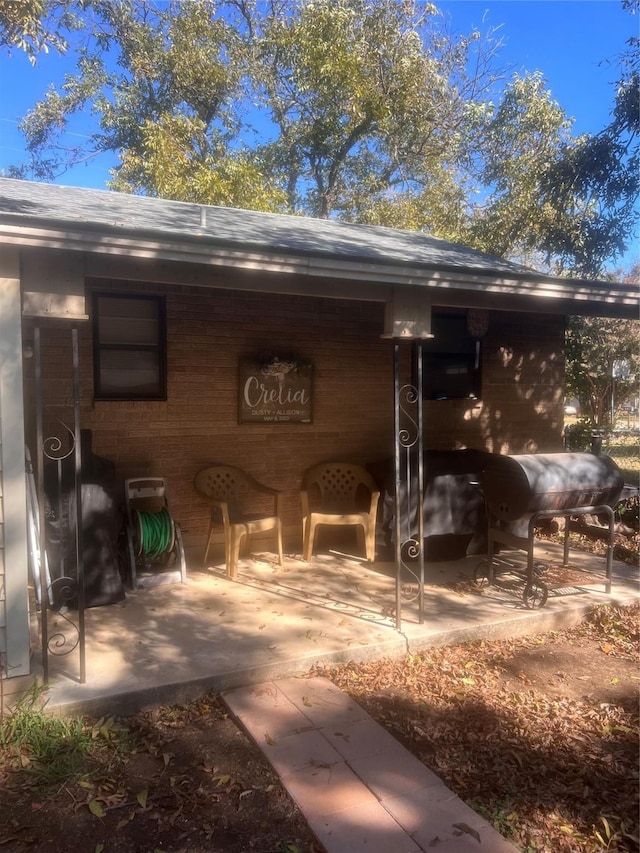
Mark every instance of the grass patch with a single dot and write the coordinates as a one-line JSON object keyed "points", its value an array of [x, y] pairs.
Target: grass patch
{"points": [[53, 749], [627, 458], [623, 446]]}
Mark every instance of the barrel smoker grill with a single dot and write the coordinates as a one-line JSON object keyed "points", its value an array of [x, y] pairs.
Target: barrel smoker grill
{"points": [[520, 491]]}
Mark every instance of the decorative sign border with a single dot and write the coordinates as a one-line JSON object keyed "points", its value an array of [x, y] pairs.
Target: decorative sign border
{"points": [[277, 390]]}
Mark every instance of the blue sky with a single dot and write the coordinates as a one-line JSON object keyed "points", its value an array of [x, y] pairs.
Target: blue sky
{"points": [[570, 41]]}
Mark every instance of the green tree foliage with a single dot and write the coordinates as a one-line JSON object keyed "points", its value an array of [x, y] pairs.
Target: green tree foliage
{"points": [[367, 111], [525, 132], [183, 141], [596, 179], [370, 103], [603, 361], [35, 25], [164, 84]]}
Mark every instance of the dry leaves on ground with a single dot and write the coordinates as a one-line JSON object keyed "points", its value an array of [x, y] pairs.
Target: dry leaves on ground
{"points": [[538, 734], [186, 779]]}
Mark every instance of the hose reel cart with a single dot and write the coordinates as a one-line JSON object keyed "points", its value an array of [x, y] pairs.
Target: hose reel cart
{"points": [[154, 540], [522, 490]]}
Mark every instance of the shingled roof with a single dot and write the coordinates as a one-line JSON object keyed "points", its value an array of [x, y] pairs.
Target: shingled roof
{"points": [[99, 220]]}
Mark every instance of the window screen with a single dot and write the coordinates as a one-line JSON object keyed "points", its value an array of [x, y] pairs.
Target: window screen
{"points": [[129, 348]]}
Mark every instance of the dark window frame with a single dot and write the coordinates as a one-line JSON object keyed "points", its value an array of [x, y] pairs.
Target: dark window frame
{"points": [[436, 358], [160, 348]]}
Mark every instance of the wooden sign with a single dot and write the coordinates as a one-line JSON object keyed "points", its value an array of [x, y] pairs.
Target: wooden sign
{"points": [[275, 391]]}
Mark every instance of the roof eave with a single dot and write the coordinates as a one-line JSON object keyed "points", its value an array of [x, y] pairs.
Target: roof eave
{"points": [[554, 292]]}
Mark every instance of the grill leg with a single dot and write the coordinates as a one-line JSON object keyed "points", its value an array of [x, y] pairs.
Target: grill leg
{"points": [[567, 528], [611, 517], [490, 569], [530, 546]]}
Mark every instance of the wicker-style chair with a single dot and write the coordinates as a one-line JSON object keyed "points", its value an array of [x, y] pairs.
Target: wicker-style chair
{"points": [[228, 490], [339, 493]]}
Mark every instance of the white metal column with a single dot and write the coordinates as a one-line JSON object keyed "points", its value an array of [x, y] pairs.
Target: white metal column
{"points": [[14, 555]]}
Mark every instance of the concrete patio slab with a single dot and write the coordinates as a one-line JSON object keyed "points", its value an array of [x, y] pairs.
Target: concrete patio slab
{"points": [[172, 643]]}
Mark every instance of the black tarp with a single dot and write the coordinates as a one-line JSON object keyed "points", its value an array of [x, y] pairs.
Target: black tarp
{"points": [[101, 526], [455, 520]]}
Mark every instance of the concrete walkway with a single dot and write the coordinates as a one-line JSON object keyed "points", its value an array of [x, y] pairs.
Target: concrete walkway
{"points": [[357, 786]]}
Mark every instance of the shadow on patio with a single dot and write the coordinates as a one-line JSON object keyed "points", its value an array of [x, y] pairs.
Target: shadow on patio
{"points": [[173, 642]]}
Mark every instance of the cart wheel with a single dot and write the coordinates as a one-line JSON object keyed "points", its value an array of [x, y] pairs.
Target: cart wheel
{"points": [[481, 575], [535, 595]]}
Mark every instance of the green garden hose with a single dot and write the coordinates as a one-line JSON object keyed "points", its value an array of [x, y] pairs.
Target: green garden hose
{"points": [[155, 532]]}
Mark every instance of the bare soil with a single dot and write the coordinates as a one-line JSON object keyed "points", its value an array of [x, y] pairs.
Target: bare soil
{"points": [[190, 780], [539, 734]]}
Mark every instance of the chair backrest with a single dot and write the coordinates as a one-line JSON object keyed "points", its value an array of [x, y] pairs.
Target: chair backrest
{"points": [[220, 483], [339, 485]]}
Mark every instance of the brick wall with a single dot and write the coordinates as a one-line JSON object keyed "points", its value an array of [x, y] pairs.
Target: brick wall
{"points": [[209, 331], [521, 407]]}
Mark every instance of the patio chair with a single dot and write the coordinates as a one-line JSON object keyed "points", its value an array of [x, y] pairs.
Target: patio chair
{"points": [[228, 490], [339, 494]]}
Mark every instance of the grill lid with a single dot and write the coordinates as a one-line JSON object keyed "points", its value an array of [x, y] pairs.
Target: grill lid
{"points": [[517, 486]]}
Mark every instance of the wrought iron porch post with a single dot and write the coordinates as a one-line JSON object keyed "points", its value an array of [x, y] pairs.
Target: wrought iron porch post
{"points": [[56, 593], [409, 482]]}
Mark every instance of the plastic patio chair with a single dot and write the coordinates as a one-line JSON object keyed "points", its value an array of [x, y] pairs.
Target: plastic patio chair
{"points": [[228, 490], [339, 494]]}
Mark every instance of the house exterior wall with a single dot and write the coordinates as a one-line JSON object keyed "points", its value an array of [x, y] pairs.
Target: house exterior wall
{"points": [[210, 331], [520, 408]]}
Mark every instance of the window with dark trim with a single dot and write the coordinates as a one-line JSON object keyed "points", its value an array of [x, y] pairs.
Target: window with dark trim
{"points": [[129, 347], [451, 361]]}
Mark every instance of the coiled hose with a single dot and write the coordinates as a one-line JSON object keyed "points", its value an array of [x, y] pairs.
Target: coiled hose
{"points": [[155, 532]]}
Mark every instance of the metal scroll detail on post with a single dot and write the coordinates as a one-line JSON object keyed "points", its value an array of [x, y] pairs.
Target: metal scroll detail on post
{"points": [[409, 487], [63, 588], [59, 510]]}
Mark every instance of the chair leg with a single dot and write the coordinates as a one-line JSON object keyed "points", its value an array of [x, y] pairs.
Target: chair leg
{"points": [[371, 543], [362, 540], [227, 551], [305, 535], [279, 535], [206, 550], [234, 553], [308, 544]]}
